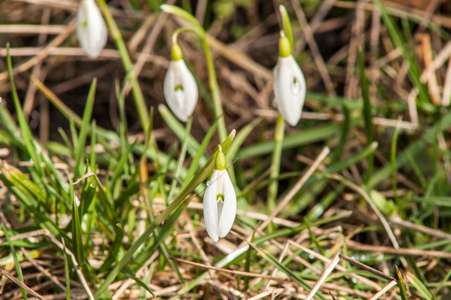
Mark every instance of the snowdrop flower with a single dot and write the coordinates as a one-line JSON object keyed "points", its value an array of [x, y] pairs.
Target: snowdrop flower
{"points": [[289, 84], [219, 201], [180, 89], [91, 29]]}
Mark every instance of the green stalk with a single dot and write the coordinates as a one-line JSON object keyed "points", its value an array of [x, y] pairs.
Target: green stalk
{"points": [[275, 165], [222, 131], [128, 66]]}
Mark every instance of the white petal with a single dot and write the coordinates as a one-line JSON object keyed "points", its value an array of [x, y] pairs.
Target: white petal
{"points": [[289, 89], [211, 208], [91, 29], [228, 213], [183, 101]]}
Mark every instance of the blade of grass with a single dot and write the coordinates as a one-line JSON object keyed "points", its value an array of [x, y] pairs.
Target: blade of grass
{"points": [[66, 271], [353, 159], [344, 134], [113, 250], [80, 151], [23, 124], [127, 63], [196, 160], [420, 286], [313, 237], [305, 137], [441, 284], [77, 239], [131, 274], [247, 265], [16, 260], [394, 143], [367, 115], [181, 158], [324, 203], [401, 285]]}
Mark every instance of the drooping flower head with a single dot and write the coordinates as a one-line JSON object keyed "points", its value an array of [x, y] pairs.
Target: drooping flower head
{"points": [[219, 201], [91, 30], [289, 84], [180, 88]]}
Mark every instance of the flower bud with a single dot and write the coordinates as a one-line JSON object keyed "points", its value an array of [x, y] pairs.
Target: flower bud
{"points": [[180, 88], [91, 30], [289, 84], [219, 201]]}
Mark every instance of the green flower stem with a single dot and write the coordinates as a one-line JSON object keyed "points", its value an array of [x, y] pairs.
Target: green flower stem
{"points": [[213, 82], [181, 29], [182, 197], [128, 66], [275, 164], [214, 90]]}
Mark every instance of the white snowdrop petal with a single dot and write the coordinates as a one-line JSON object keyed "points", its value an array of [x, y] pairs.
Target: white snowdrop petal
{"points": [[289, 89], [91, 29], [190, 90], [180, 90], [228, 213], [210, 207]]}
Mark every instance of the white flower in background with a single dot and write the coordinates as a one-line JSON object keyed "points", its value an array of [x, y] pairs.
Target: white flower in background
{"points": [[219, 201], [289, 84], [180, 88], [91, 30]]}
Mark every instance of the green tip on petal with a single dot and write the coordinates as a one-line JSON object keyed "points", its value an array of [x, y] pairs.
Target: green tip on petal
{"points": [[176, 53], [220, 160], [284, 46]]}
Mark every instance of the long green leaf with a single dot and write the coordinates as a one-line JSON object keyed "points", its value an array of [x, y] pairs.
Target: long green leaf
{"points": [[420, 286], [305, 137], [366, 114], [26, 131], [80, 151], [131, 274], [16, 260], [401, 285]]}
